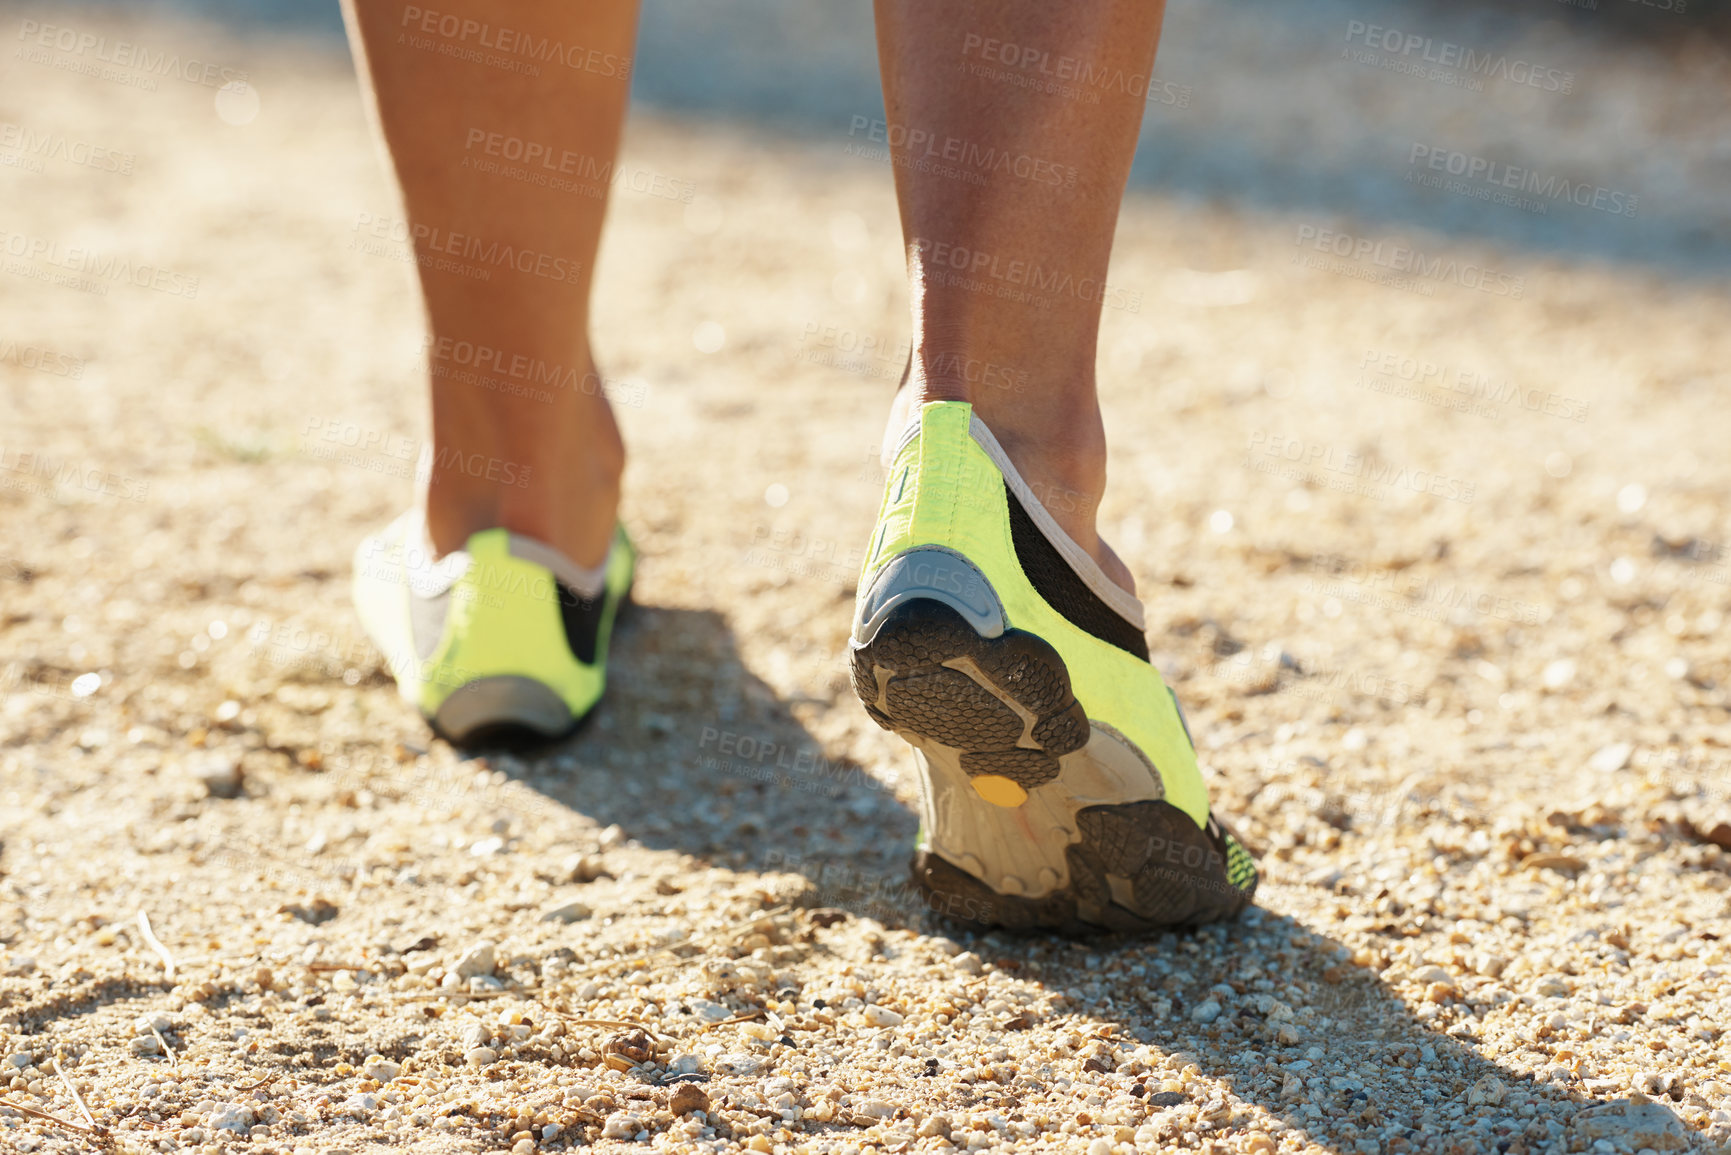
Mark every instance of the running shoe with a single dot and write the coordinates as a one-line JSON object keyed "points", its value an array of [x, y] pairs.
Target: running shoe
{"points": [[505, 639], [1059, 787]]}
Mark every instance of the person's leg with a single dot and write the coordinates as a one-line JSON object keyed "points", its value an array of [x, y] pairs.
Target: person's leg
{"points": [[468, 97], [1006, 187]]}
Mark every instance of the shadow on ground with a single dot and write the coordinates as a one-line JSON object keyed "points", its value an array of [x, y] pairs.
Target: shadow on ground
{"points": [[745, 785]]}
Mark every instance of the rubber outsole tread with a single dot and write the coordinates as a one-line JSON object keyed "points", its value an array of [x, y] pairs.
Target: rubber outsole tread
{"points": [[1026, 768], [928, 655], [1137, 867], [1165, 895]]}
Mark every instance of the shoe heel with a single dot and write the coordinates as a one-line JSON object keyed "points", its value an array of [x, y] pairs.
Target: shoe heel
{"points": [[931, 573], [506, 708], [1002, 702]]}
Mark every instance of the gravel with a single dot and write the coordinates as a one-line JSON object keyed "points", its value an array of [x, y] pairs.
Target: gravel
{"points": [[1494, 908]]}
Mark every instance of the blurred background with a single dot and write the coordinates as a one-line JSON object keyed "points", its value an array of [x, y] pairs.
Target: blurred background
{"points": [[1257, 109]]}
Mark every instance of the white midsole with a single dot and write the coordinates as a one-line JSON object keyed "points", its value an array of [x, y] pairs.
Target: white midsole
{"points": [[1020, 850]]}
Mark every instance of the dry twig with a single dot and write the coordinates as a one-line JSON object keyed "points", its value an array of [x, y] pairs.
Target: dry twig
{"points": [[166, 1049], [11, 1106], [745, 1018], [155, 944], [72, 1089]]}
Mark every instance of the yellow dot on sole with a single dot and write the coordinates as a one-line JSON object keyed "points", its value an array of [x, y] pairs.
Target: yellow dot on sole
{"points": [[999, 791]]}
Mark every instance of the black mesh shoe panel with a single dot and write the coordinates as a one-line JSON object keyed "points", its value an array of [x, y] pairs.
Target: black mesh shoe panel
{"points": [[1063, 589], [582, 621]]}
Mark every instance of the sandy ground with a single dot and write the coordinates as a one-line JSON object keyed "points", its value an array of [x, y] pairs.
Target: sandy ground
{"points": [[1435, 558]]}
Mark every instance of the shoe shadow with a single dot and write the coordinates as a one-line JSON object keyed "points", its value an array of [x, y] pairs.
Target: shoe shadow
{"points": [[690, 752], [1278, 1013], [693, 754]]}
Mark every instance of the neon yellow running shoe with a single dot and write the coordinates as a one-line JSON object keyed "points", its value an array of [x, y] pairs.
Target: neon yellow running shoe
{"points": [[1059, 787], [503, 639]]}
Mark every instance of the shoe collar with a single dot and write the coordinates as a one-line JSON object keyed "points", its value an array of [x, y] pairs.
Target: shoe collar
{"points": [[1122, 602]]}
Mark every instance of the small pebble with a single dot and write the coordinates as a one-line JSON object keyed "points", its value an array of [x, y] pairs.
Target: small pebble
{"points": [[219, 774], [621, 1125], [686, 1098], [585, 868], [481, 1057], [968, 963], [232, 1117], [477, 960], [1610, 759], [935, 1125], [572, 911], [380, 1069], [1558, 674], [882, 1016]]}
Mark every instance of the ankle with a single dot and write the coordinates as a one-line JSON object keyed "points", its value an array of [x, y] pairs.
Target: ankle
{"points": [[562, 491], [1066, 470]]}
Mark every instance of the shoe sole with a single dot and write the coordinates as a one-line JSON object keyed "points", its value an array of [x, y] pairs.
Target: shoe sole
{"points": [[505, 710], [1034, 818]]}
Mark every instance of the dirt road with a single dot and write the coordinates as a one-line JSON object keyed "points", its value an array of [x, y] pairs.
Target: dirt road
{"points": [[1433, 549]]}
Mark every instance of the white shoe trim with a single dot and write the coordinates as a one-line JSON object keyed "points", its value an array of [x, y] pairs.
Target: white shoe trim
{"points": [[585, 581], [427, 578], [407, 537], [1124, 603]]}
